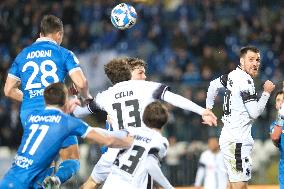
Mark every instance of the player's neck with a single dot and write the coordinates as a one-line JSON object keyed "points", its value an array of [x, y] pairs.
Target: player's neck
{"points": [[158, 130]]}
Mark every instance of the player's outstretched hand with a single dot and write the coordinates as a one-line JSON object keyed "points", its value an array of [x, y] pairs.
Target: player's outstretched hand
{"points": [[268, 86], [51, 182], [209, 118]]}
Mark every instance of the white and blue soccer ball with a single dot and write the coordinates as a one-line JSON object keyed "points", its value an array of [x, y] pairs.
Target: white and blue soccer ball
{"points": [[123, 16]]}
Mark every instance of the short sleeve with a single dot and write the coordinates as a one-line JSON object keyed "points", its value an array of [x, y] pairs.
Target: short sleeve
{"points": [[72, 62], [69, 141], [247, 91], [280, 117], [271, 127], [159, 90], [77, 127], [160, 151], [14, 70]]}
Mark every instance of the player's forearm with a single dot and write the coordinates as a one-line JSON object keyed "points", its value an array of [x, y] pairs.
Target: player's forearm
{"points": [[15, 94], [212, 92], [255, 108], [156, 173], [81, 83], [104, 138], [81, 112], [182, 102], [11, 89]]}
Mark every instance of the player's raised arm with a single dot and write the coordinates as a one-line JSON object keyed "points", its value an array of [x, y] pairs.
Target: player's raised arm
{"points": [[105, 137], [213, 89], [81, 84], [208, 117], [254, 107]]}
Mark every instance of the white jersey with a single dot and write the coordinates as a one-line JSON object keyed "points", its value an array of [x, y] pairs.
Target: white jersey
{"points": [[239, 89], [129, 170], [212, 169], [125, 102]]}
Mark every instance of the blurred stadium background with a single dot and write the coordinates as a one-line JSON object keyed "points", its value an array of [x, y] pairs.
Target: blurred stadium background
{"points": [[186, 43]]}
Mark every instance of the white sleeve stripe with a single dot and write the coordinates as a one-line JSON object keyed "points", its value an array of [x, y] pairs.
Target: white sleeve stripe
{"points": [[74, 70], [87, 132], [13, 76], [163, 93]]}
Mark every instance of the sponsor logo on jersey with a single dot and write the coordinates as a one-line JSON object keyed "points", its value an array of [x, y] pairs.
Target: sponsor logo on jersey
{"points": [[37, 92], [23, 162], [39, 54]]}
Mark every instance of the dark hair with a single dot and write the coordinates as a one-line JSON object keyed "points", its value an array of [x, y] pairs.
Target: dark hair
{"points": [[155, 115], [135, 63], [118, 70], [278, 93], [55, 94], [245, 49], [50, 24]]}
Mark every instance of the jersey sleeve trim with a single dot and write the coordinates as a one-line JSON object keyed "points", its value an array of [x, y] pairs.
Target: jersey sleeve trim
{"points": [[14, 77], [247, 97], [89, 129], [74, 69], [154, 152], [160, 91], [201, 164], [93, 107]]}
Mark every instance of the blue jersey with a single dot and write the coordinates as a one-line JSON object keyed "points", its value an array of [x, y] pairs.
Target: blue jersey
{"points": [[38, 65], [42, 139], [280, 122]]}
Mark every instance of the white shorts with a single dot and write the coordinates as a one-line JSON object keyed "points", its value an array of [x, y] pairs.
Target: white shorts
{"points": [[103, 166], [237, 160], [115, 181]]}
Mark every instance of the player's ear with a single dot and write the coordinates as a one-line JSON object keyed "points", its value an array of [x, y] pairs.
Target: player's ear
{"points": [[242, 61]]}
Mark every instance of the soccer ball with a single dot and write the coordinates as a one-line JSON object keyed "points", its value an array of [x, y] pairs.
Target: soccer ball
{"points": [[123, 16]]}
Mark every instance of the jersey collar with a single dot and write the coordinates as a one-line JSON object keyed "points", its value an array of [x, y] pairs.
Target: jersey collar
{"points": [[240, 69], [53, 108], [45, 39]]}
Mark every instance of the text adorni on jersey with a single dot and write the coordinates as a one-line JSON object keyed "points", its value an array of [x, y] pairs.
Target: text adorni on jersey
{"points": [[22, 161], [50, 118], [123, 94], [39, 53], [37, 92], [142, 138]]}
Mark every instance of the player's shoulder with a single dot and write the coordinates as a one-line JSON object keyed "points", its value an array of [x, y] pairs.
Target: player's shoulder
{"points": [[160, 145]]}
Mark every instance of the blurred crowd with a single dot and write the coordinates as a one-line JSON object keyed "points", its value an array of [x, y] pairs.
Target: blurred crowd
{"points": [[186, 43]]}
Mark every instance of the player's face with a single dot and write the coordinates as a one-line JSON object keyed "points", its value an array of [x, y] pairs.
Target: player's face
{"points": [[278, 101], [213, 144], [138, 74], [250, 63]]}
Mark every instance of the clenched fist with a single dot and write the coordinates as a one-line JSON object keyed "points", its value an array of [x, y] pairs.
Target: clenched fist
{"points": [[268, 86]]}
